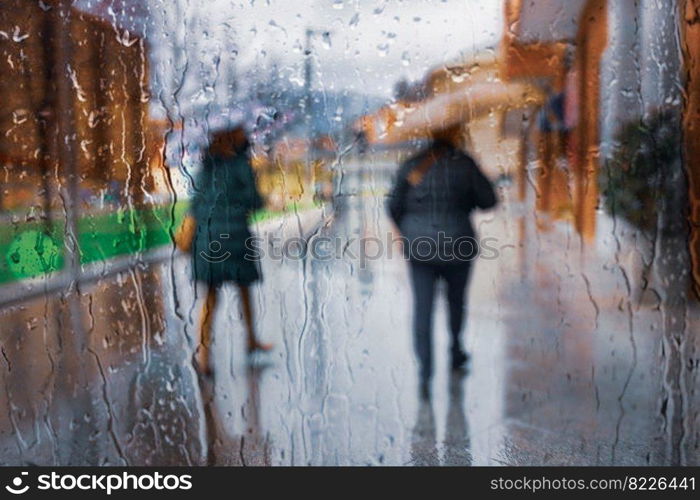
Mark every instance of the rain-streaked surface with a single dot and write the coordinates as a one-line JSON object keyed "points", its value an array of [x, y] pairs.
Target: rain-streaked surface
{"points": [[582, 309]]}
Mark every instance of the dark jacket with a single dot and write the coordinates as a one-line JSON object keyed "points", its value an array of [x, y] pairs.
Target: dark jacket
{"points": [[225, 195], [434, 215]]}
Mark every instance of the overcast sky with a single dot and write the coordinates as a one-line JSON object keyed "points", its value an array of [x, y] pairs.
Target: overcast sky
{"points": [[371, 45]]}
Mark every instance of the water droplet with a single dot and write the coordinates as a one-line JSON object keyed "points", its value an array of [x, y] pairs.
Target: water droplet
{"points": [[326, 40]]}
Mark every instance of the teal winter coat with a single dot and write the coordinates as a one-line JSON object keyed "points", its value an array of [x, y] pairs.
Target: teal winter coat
{"points": [[225, 194]]}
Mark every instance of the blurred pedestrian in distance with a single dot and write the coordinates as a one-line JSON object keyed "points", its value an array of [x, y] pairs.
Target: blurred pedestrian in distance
{"points": [[225, 195], [434, 194], [362, 142]]}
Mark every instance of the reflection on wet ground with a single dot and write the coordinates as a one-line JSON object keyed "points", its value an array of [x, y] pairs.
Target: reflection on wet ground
{"points": [[570, 364]]}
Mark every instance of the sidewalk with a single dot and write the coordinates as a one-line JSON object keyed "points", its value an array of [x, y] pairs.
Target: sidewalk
{"points": [[568, 366]]}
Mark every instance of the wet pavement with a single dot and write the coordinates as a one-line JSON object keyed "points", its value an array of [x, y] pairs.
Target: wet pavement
{"points": [[574, 362]]}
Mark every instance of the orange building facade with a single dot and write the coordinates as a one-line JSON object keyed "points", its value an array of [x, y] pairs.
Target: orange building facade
{"points": [[690, 37], [617, 64], [565, 59], [75, 106]]}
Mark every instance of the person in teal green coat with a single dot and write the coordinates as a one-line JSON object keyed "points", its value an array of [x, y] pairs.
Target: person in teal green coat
{"points": [[225, 194]]}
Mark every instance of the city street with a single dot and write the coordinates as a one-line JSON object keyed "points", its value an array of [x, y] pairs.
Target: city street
{"points": [[570, 364]]}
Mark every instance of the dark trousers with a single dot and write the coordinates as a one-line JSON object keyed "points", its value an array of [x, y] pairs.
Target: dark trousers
{"points": [[423, 277]]}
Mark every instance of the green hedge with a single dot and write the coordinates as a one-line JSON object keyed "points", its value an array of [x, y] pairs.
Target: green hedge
{"points": [[29, 249]]}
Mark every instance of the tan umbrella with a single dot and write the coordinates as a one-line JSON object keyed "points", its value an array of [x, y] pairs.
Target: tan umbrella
{"points": [[417, 120]]}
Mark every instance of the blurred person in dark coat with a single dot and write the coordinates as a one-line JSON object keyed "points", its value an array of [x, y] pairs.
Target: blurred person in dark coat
{"points": [[225, 196], [434, 194]]}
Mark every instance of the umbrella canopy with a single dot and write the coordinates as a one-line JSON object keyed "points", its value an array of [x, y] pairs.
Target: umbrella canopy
{"points": [[443, 111]]}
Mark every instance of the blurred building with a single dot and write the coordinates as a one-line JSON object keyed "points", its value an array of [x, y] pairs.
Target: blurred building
{"points": [[75, 94], [615, 68], [690, 39]]}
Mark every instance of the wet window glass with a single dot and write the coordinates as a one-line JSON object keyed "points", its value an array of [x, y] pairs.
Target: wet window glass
{"points": [[349, 232]]}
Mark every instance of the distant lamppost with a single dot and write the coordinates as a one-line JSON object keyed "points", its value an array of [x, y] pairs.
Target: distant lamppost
{"points": [[308, 104]]}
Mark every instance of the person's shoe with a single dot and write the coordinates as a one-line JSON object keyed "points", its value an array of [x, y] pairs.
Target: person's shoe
{"points": [[459, 359], [424, 389], [259, 347], [203, 364]]}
